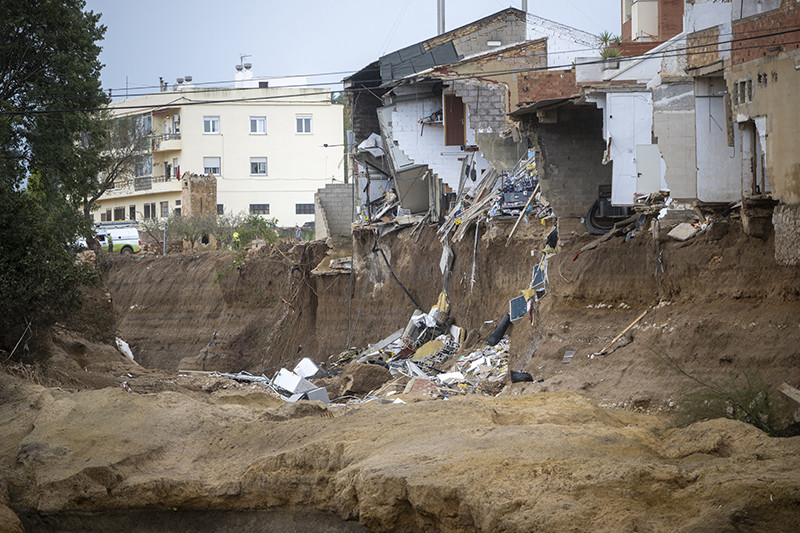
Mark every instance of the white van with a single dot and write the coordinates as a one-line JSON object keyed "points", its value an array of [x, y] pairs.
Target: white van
{"points": [[124, 237]]}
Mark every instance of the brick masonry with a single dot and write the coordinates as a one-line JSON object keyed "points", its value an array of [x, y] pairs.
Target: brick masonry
{"points": [[333, 210], [543, 85], [569, 158], [670, 18], [703, 47], [787, 18]]}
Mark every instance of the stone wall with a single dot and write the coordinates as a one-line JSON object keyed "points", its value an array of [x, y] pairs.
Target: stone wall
{"points": [[333, 210], [198, 194]]}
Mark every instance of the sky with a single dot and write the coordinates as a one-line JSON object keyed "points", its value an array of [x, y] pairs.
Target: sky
{"points": [[148, 39]]}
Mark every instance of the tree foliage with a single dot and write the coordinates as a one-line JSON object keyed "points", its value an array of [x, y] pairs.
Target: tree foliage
{"points": [[51, 143]]}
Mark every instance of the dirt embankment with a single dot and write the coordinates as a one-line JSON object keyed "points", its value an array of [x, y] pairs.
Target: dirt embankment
{"points": [[544, 462], [717, 305], [201, 447]]}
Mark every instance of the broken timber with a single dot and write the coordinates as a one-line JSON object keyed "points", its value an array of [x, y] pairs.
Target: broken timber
{"points": [[618, 337]]}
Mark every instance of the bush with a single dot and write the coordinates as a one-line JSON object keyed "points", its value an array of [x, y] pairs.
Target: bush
{"points": [[747, 399]]}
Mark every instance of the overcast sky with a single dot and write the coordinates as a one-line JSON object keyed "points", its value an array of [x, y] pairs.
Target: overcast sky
{"points": [[204, 38]]}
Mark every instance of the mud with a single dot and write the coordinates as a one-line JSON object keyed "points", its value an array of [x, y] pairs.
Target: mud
{"points": [[593, 447]]}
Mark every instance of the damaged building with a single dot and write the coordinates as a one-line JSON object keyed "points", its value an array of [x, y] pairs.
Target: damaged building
{"points": [[439, 112], [697, 108]]}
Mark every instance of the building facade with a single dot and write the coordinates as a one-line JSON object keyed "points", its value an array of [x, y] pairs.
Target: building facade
{"points": [[269, 149]]}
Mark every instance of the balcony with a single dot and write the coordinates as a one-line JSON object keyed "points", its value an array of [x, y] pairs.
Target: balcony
{"points": [[141, 185], [166, 142]]}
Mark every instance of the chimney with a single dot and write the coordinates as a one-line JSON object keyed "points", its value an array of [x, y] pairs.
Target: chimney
{"points": [[440, 16], [525, 6]]}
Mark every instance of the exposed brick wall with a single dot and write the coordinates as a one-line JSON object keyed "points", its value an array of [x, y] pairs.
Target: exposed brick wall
{"points": [[703, 47], [508, 26], [785, 18], [485, 102], [335, 206], [626, 30], [362, 108], [569, 158], [636, 48], [543, 85], [670, 18]]}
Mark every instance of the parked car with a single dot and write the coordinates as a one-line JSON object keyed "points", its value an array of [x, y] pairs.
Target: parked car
{"points": [[124, 237]]}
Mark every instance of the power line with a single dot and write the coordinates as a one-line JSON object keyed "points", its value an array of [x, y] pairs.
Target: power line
{"points": [[674, 52]]}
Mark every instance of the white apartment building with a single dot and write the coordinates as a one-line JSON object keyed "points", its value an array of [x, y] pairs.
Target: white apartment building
{"points": [[265, 146]]}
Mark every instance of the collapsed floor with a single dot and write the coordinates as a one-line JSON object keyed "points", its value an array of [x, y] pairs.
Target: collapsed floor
{"points": [[75, 455]]}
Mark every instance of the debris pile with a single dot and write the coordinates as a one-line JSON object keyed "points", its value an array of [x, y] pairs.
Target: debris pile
{"points": [[496, 196]]}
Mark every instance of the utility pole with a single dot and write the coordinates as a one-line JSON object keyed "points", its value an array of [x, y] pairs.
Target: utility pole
{"points": [[525, 6], [440, 16]]}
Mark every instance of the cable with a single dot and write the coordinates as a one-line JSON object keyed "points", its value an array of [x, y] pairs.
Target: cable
{"points": [[673, 52], [375, 250]]}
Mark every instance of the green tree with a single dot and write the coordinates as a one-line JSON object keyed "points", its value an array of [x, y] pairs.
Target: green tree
{"points": [[51, 142], [122, 141]]}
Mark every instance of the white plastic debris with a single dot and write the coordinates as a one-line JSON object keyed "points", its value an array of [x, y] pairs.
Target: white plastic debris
{"points": [[425, 319], [291, 382], [124, 348], [448, 378], [306, 368]]}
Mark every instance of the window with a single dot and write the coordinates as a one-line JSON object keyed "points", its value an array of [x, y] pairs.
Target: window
{"points": [[143, 166], [258, 209], [220, 209], [303, 209], [212, 165], [258, 125], [743, 92], [176, 125], [164, 209], [211, 124], [177, 203], [131, 212], [105, 217], [258, 166], [150, 211], [177, 211], [303, 123]]}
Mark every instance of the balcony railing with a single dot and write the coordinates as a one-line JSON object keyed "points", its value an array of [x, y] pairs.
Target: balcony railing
{"points": [[140, 183], [165, 141]]}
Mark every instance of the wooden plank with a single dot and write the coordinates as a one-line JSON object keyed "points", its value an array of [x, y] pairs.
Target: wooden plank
{"points": [[790, 391], [624, 331], [521, 215]]}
